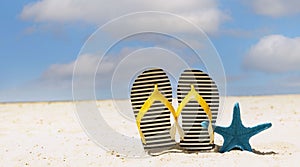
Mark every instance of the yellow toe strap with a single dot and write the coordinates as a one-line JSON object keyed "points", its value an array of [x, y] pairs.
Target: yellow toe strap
{"points": [[193, 94], [156, 95]]}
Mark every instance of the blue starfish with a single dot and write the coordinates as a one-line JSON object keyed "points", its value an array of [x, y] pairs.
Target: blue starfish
{"points": [[237, 135]]}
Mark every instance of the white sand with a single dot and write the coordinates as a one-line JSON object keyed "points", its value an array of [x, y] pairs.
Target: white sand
{"points": [[49, 134]]}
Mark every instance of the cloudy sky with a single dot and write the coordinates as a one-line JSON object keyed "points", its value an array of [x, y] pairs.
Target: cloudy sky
{"points": [[258, 42]]}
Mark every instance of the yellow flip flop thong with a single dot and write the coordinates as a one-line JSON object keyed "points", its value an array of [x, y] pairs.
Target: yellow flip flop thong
{"points": [[151, 97], [198, 100]]}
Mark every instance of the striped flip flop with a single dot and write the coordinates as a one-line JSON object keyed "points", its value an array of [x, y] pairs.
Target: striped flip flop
{"points": [[151, 97], [198, 100]]}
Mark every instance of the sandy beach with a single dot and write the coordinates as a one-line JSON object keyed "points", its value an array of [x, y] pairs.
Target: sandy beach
{"points": [[49, 134]]}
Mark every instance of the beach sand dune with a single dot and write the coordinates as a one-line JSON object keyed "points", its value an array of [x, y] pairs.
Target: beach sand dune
{"points": [[49, 134]]}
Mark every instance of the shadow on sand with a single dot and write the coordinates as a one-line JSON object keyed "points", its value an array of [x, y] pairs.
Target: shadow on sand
{"points": [[178, 149], [217, 148]]}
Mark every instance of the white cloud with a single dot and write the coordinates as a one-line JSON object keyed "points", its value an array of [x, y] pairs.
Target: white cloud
{"points": [[64, 72], [55, 83], [274, 53], [292, 81], [115, 70], [276, 8], [204, 13]]}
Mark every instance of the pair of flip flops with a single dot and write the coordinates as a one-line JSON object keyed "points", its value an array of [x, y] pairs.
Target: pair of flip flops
{"points": [[198, 101]]}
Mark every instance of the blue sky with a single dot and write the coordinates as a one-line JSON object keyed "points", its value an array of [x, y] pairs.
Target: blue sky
{"points": [[258, 42]]}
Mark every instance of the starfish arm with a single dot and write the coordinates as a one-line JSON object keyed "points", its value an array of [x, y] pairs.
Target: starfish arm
{"points": [[221, 130], [259, 128], [236, 117], [246, 146], [227, 144]]}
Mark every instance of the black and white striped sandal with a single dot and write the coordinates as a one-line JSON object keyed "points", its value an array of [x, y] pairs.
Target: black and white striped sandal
{"points": [[151, 98], [198, 100]]}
